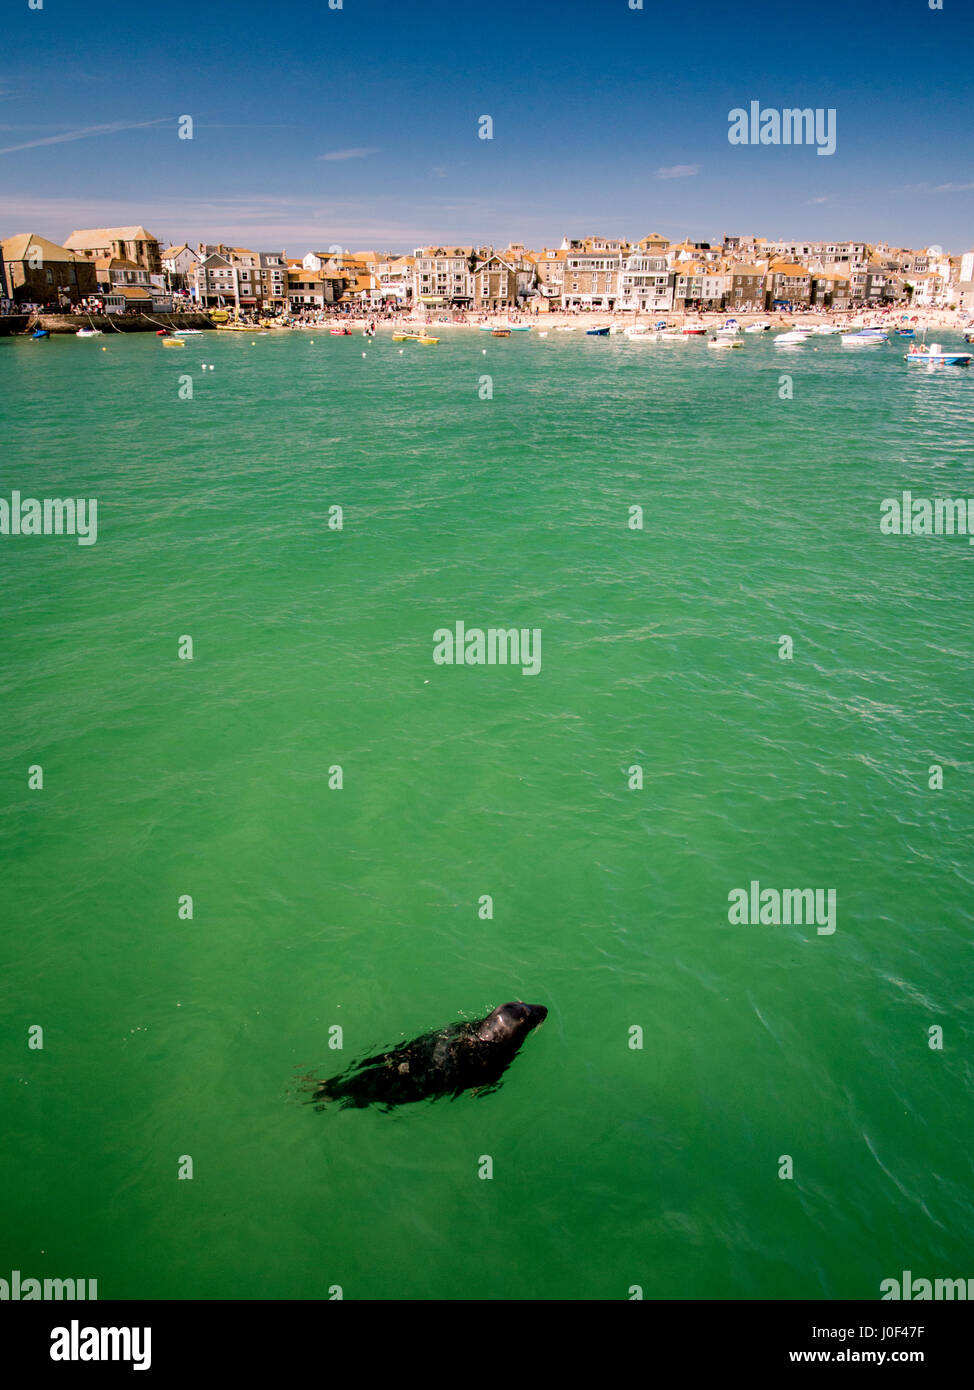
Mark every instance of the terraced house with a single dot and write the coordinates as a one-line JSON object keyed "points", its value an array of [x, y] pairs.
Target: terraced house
{"points": [[645, 282], [313, 289], [788, 284], [698, 286], [745, 289], [830, 288], [179, 267], [551, 274], [262, 277], [593, 270], [216, 281], [496, 283], [443, 275]]}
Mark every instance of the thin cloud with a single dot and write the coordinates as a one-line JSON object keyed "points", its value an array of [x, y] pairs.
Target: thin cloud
{"points": [[954, 187], [811, 201], [85, 133], [678, 171], [359, 153]]}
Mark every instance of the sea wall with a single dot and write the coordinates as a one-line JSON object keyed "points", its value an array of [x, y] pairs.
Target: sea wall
{"points": [[108, 323]]}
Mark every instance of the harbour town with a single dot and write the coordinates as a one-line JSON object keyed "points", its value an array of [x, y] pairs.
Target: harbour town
{"points": [[122, 279]]}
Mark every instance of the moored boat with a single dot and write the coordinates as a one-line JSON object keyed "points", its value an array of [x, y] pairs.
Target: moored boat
{"points": [[597, 332], [866, 337], [413, 338], [172, 341], [500, 332], [935, 356], [789, 339], [88, 333]]}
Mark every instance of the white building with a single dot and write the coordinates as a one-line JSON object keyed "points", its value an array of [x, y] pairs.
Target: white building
{"points": [[645, 283]]}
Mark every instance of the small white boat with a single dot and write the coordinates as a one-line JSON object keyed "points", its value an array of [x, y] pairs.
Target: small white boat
{"points": [[934, 356], [187, 332], [869, 337], [728, 330], [795, 335], [823, 330], [757, 328], [88, 333], [639, 330], [724, 342], [565, 328], [694, 330]]}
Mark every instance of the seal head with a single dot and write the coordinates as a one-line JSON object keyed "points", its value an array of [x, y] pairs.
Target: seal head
{"points": [[511, 1023]]}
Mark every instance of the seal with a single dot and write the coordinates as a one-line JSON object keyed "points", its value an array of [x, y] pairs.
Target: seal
{"points": [[460, 1057]]}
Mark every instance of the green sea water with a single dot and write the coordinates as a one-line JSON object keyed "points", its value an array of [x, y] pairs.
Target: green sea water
{"points": [[613, 1165]]}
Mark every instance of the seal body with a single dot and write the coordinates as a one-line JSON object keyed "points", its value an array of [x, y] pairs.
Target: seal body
{"points": [[445, 1063]]}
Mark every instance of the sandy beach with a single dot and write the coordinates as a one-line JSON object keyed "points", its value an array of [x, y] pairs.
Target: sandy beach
{"points": [[948, 319]]}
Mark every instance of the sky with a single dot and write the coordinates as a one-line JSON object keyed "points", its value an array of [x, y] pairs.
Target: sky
{"points": [[360, 126]]}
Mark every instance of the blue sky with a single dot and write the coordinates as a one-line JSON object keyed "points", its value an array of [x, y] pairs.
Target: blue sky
{"points": [[359, 126]]}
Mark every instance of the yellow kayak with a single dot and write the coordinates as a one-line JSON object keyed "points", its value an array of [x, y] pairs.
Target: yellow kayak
{"points": [[413, 338]]}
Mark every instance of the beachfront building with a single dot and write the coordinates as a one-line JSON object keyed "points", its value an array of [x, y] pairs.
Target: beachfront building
{"points": [[551, 274], [496, 284], [126, 285], [309, 290], [41, 272], [444, 275], [699, 286], [745, 286], [216, 281], [830, 288], [857, 284], [261, 279], [963, 290], [881, 286], [930, 290], [255, 281], [112, 271], [394, 280], [126, 243], [788, 284], [527, 279], [179, 267], [645, 282], [593, 267]]}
